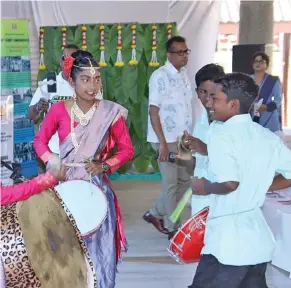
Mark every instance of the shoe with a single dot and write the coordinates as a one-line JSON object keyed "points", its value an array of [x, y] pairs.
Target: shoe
{"points": [[158, 223], [172, 234]]}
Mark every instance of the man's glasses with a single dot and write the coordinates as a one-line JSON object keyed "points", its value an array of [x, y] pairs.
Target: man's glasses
{"points": [[181, 52]]}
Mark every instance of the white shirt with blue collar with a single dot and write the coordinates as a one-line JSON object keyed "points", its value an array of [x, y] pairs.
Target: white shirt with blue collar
{"points": [[243, 151], [170, 90]]}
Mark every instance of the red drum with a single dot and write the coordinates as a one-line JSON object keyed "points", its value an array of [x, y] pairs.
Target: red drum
{"points": [[186, 245]]}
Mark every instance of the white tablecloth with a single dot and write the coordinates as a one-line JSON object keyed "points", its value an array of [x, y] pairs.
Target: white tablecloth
{"points": [[278, 217]]}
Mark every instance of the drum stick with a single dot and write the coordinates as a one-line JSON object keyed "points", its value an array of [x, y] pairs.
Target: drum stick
{"points": [[181, 205]]}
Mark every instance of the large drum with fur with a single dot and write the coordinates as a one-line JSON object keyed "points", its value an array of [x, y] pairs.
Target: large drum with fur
{"points": [[41, 245]]}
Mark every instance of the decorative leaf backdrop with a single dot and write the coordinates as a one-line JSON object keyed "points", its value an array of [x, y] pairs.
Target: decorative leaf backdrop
{"points": [[127, 85]]}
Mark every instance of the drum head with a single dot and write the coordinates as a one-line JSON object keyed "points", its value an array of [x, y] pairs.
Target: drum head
{"points": [[86, 202], [51, 242]]}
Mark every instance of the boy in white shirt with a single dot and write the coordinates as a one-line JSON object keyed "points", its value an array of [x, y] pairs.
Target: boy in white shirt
{"points": [[243, 158], [204, 79]]}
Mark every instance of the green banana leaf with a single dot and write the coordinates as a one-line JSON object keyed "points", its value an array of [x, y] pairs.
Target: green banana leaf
{"points": [[133, 82], [126, 39], [110, 83], [140, 119], [125, 167], [129, 82], [91, 38], [141, 163], [41, 75], [104, 80], [49, 34], [58, 41], [143, 154], [120, 97], [114, 86], [141, 80], [154, 162], [129, 119], [141, 147]]}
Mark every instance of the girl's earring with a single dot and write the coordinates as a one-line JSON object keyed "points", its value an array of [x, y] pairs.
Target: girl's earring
{"points": [[74, 95], [99, 95]]}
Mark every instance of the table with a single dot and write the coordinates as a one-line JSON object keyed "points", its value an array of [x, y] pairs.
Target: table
{"points": [[278, 217]]}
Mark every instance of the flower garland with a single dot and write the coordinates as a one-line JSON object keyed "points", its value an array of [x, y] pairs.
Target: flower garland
{"points": [[84, 37], [64, 37], [169, 29], [41, 50], [119, 61], [102, 62], [154, 61], [133, 60]]}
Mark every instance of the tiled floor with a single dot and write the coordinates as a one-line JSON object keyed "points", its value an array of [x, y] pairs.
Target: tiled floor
{"points": [[147, 263]]}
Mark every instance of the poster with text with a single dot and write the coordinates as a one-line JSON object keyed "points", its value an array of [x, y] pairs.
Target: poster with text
{"points": [[16, 81], [6, 114]]}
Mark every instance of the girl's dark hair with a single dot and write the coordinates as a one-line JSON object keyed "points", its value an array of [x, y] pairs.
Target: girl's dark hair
{"points": [[82, 59]]}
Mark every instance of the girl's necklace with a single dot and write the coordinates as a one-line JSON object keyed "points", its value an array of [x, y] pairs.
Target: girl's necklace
{"points": [[84, 119]]}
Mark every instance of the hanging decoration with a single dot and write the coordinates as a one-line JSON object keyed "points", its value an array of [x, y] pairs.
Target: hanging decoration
{"points": [[64, 37], [41, 50], [84, 37], [133, 60], [154, 60], [169, 30], [119, 61], [102, 62]]}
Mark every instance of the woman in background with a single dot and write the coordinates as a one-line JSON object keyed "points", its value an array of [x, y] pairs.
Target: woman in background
{"points": [[88, 130], [269, 113]]}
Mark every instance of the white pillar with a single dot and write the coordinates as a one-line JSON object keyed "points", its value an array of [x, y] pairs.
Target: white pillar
{"points": [[256, 24]]}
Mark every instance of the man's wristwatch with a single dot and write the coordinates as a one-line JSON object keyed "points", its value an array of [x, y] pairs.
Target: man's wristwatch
{"points": [[105, 167]]}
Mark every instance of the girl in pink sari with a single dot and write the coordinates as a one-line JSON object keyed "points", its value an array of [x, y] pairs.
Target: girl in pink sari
{"points": [[90, 129]]}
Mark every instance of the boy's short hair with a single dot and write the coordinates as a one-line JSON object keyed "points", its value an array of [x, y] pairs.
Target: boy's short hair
{"points": [[239, 86], [209, 72]]}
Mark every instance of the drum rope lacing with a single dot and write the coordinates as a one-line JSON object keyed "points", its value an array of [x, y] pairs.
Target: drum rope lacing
{"points": [[197, 223]]}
